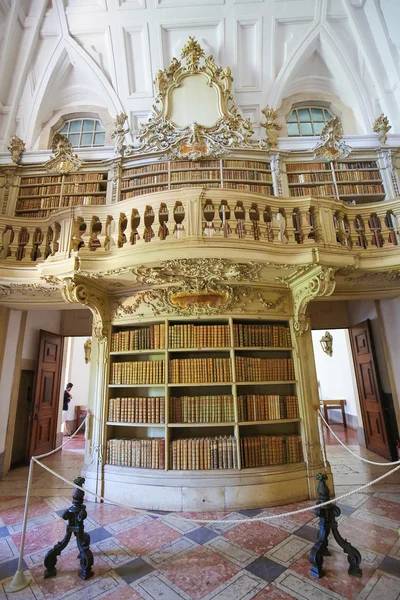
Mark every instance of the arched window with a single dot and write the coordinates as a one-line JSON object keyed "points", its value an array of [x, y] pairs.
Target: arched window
{"points": [[84, 133], [307, 120]]}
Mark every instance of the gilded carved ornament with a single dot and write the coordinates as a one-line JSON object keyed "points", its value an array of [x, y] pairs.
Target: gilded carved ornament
{"points": [[332, 147], [194, 140], [63, 161], [78, 293], [119, 133], [310, 286], [271, 127], [381, 127], [16, 147], [27, 289]]}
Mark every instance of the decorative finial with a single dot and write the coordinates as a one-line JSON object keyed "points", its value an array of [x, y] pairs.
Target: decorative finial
{"points": [[63, 160], [16, 147], [332, 146], [270, 126], [119, 132], [381, 127], [192, 51]]}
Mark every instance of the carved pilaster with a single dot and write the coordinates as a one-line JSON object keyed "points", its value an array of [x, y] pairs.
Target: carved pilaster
{"points": [[79, 293], [9, 178], [319, 281]]}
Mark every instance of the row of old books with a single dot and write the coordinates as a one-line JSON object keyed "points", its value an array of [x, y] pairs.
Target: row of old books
{"points": [[46, 179], [246, 164], [145, 180], [154, 168], [200, 370], [204, 453], [259, 407], [357, 175], [142, 453], [83, 200], [345, 166], [249, 187], [261, 335], [194, 183], [191, 165], [76, 188], [40, 191], [196, 175], [360, 189], [145, 190], [37, 215], [310, 177], [29, 204], [264, 450], [202, 409], [264, 369], [188, 335], [310, 166], [317, 190], [51, 202], [137, 372], [137, 410], [248, 175], [143, 338]]}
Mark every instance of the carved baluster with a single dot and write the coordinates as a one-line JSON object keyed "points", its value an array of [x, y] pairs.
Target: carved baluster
{"points": [[148, 224], [240, 216], [122, 225], [307, 223], [56, 238], [6, 241], [359, 227], [297, 226], [315, 224], [79, 232], [163, 216], [350, 237], [37, 240], [374, 223], [209, 214], [179, 218], [109, 229], [283, 232], [338, 220], [224, 215], [135, 222], [254, 215], [267, 216], [391, 226], [95, 231]]}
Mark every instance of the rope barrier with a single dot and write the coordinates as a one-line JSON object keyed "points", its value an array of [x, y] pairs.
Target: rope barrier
{"points": [[371, 462], [19, 580]]}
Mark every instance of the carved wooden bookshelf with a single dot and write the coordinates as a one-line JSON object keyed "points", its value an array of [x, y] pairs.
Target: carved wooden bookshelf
{"points": [[201, 412]]}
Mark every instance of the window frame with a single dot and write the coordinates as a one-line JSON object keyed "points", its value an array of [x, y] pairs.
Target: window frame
{"points": [[98, 128], [309, 106]]}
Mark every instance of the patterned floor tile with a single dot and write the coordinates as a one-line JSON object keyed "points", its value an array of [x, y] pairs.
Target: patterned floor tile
{"points": [[4, 532], [369, 536], [256, 537], [231, 551], [114, 552], [308, 533], [145, 538], [289, 550], [8, 568], [16, 514], [123, 593], [266, 569], [198, 571], [272, 593], [201, 535], [242, 586], [41, 537], [301, 588], [99, 534], [177, 547], [381, 586], [133, 570], [156, 587], [390, 565]]}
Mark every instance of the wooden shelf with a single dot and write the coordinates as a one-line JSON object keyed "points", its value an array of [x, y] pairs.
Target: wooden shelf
{"points": [[145, 185], [247, 169], [249, 181], [144, 174], [195, 181], [216, 383], [127, 352], [310, 183], [208, 349], [55, 195], [120, 424], [205, 424], [267, 348], [269, 422], [265, 382], [135, 385]]}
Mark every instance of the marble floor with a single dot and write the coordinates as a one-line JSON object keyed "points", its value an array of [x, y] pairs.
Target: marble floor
{"points": [[155, 556]]}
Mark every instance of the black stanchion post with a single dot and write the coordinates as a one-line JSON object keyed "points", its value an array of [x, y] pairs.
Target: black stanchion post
{"points": [[327, 524], [75, 515]]}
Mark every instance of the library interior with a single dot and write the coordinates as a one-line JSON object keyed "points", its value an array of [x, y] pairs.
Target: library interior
{"points": [[199, 299]]}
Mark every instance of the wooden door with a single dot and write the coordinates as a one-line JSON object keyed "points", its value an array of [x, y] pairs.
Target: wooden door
{"points": [[47, 393], [369, 390]]}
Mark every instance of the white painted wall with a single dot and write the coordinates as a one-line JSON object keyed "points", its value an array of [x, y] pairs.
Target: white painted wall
{"points": [[7, 373], [76, 372], [391, 324], [48, 320], [336, 374]]}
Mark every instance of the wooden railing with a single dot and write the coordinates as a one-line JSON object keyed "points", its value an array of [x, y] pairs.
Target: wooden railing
{"points": [[209, 216]]}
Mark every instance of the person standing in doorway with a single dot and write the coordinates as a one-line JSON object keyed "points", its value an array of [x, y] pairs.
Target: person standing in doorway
{"points": [[67, 400]]}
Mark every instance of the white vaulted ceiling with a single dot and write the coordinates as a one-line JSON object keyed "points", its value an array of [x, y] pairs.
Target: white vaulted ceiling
{"points": [[59, 55]]}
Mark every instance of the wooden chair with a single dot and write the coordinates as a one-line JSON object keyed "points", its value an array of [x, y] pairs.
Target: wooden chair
{"points": [[332, 404]]}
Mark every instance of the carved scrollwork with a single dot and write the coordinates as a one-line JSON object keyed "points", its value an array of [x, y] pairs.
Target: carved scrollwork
{"points": [[332, 146], [63, 161], [78, 293], [316, 283], [194, 140]]}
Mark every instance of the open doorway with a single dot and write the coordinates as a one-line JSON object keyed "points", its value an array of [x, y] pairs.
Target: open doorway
{"points": [[76, 370]]}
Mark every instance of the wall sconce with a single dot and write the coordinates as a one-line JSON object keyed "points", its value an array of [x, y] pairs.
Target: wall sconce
{"points": [[88, 350], [327, 343]]}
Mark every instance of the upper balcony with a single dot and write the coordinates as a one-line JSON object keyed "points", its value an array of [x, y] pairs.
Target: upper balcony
{"points": [[290, 235]]}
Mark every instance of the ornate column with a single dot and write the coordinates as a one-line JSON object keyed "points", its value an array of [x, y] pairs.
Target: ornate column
{"points": [[76, 291], [316, 282]]}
